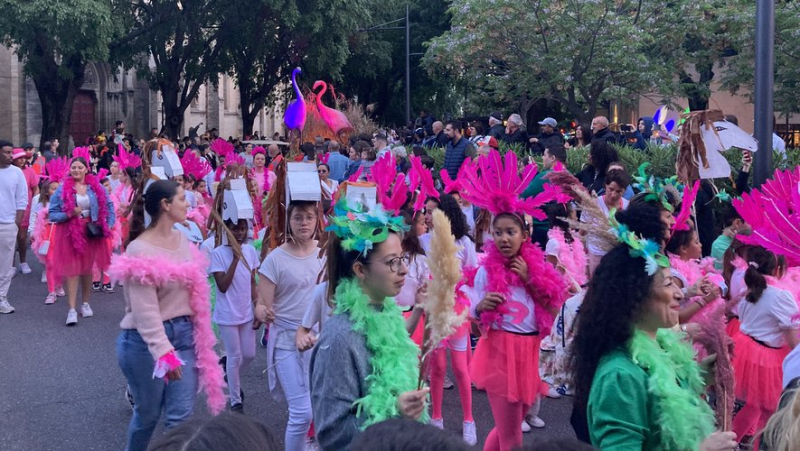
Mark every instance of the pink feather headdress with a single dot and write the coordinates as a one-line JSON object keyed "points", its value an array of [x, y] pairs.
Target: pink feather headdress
{"points": [[421, 180], [498, 186], [222, 147], [454, 186], [689, 196], [102, 173], [773, 213], [392, 186], [81, 152], [127, 159], [56, 169], [194, 165], [259, 150]]}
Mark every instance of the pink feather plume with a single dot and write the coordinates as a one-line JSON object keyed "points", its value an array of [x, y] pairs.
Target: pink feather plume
{"points": [[56, 169], [195, 166], [421, 180], [127, 159], [392, 186], [689, 196]]}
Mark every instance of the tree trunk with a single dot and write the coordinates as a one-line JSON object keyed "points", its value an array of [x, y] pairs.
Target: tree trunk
{"points": [[173, 113], [698, 92]]}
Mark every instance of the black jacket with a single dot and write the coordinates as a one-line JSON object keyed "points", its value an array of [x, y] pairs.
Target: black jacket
{"points": [[605, 135], [518, 136], [545, 141], [497, 131]]}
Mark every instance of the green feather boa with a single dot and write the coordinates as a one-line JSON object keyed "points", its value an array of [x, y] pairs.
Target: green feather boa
{"points": [[684, 419], [395, 358]]}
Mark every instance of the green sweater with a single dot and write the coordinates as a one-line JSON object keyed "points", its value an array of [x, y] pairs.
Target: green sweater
{"points": [[621, 414]]}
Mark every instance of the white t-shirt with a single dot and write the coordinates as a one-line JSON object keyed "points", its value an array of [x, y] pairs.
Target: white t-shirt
{"points": [[418, 274], [36, 208], [592, 241], [767, 319], [192, 232], [318, 310], [234, 306], [207, 247], [552, 247], [521, 318], [13, 193], [791, 366], [295, 279], [466, 252]]}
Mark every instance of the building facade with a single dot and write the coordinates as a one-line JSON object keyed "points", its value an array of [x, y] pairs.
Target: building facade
{"points": [[109, 95]]}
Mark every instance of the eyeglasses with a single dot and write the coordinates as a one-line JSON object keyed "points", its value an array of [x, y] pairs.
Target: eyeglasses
{"points": [[322, 171], [396, 263]]}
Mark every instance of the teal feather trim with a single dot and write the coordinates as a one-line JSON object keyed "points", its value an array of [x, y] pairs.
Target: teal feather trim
{"points": [[684, 418], [395, 358]]}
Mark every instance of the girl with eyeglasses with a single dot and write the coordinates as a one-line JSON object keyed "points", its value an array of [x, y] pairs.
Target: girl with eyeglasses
{"points": [[365, 368], [288, 276]]}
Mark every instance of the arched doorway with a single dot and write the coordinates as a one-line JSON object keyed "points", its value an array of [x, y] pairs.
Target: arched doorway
{"points": [[82, 125]]}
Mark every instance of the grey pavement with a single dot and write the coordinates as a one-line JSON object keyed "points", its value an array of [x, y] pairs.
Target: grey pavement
{"points": [[61, 388]]}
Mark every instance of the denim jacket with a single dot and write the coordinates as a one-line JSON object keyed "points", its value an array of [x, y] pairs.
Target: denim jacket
{"points": [[57, 214]]}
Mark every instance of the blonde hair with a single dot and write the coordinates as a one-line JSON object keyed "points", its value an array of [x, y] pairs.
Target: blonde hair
{"points": [[782, 432]]}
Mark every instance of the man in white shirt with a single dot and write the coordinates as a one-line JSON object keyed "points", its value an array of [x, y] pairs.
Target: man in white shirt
{"points": [[13, 201]]}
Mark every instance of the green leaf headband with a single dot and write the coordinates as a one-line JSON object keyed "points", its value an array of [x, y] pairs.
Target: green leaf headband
{"points": [[639, 247], [360, 228], [656, 187]]}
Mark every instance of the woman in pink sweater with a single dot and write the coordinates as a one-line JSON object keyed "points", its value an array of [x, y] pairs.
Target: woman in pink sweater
{"points": [[166, 332]]}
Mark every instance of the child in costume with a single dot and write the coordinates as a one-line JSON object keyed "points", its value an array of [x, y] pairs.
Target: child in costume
{"points": [[166, 331], [616, 182], [514, 294], [767, 334], [234, 271], [42, 229], [418, 271], [290, 273], [702, 286], [365, 368]]}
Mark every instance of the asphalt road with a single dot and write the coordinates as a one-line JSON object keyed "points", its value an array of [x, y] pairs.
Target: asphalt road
{"points": [[61, 388]]}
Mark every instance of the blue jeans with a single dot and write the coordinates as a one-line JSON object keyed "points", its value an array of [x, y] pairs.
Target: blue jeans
{"points": [[152, 395]]}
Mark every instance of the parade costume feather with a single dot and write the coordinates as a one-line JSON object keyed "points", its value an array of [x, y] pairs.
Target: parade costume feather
{"points": [[713, 338], [157, 272], [56, 170], [195, 166], [684, 418], [127, 159], [571, 255], [421, 180], [394, 357], [392, 186], [596, 222], [687, 204]]}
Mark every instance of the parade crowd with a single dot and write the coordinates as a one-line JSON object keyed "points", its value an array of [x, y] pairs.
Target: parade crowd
{"points": [[610, 286]]}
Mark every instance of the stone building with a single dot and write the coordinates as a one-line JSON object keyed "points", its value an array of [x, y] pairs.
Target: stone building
{"points": [[109, 95]]}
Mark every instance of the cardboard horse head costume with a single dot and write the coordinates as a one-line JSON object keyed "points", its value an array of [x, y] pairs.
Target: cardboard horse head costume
{"points": [[705, 136]]}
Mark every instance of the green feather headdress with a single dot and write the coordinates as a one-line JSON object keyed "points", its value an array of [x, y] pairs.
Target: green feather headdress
{"points": [[657, 188], [639, 247], [360, 228]]}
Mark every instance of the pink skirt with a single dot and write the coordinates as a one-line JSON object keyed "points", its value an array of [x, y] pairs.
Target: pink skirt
{"points": [[758, 371], [507, 365], [69, 262], [732, 328]]}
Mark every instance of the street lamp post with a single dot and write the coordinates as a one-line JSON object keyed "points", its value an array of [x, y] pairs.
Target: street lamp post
{"points": [[764, 84]]}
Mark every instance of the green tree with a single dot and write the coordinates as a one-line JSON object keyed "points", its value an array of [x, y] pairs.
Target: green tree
{"points": [[266, 39], [576, 53], [739, 78], [55, 40], [183, 43]]}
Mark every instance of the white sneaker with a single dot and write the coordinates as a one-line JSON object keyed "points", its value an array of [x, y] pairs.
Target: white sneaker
{"points": [[534, 421], [86, 311], [60, 291], [469, 435], [50, 299], [448, 384], [44, 276], [438, 423], [553, 393], [25, 268], [72, 317], [525, 427], [5, 307]]}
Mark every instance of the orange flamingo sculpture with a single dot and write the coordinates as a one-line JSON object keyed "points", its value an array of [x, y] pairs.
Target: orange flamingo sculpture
{"points": [[335, 119]]}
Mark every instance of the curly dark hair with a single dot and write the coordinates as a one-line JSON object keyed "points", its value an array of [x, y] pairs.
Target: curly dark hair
{"points": [[554, 214], [603, 154], [644, 219], [679, 239], [458, 222], [616, 292]]}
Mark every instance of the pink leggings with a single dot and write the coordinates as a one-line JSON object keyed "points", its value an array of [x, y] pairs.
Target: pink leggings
{"points": [[751, 420], [508, 416], [50, 275], [438, 368]]}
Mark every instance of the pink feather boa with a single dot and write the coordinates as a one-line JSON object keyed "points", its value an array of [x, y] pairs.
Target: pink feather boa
{"points": [[572, 255], [40, 233], [75, 226], [191, 274], [546, 286], [694, 270]]}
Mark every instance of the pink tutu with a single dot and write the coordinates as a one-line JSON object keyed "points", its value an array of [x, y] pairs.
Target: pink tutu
{"points": [[69, 262], [758, 372], [732, 328], [507, 364]]}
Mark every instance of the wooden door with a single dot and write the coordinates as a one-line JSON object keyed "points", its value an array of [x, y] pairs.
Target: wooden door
{"points": [[83, 124]]}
